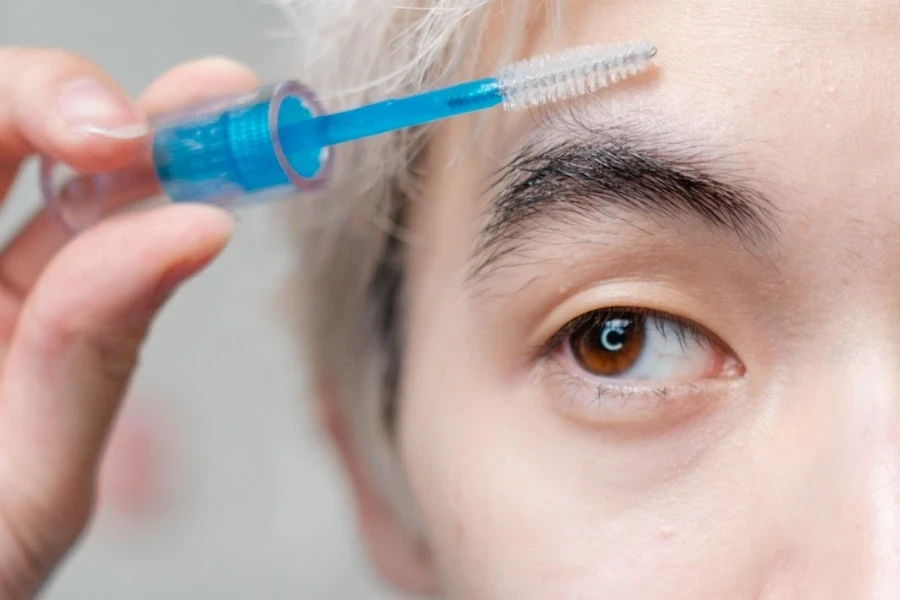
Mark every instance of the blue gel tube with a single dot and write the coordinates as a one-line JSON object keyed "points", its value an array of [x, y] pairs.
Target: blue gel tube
{"points": [[279, 139], [247, 148]]}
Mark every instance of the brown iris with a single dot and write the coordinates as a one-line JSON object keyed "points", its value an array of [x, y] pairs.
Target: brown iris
{"points": [[609, 342]]}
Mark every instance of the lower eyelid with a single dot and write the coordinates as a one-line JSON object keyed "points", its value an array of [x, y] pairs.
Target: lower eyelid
{"points": [[630, 407], [642, 410]]}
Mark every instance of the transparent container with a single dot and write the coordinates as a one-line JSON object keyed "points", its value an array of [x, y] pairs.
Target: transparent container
{"points": [[227, 152]]}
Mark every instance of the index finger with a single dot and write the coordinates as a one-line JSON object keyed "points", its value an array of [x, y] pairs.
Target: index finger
{"points": [[61, 105], [22, 261]]}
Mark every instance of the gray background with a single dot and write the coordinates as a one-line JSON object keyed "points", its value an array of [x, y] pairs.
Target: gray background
{"points": [[255, 506]]}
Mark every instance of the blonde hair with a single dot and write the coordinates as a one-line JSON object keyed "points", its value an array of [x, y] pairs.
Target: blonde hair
{"points": [[350, 280]]}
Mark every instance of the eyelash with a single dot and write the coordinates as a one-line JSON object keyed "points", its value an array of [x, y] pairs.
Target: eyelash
{"points": [[690, 329]]}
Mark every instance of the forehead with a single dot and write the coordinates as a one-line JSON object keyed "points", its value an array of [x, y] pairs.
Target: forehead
{"points": [[754, 71]]}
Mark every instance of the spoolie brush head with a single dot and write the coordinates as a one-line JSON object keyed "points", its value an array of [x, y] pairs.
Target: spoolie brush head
{"points": [[571, 73]]}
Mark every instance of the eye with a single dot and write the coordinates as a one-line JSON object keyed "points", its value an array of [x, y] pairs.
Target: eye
{"points": [[637, 345]]}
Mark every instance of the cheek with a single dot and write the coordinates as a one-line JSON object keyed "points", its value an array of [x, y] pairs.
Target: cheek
{"points": [[517, 504]]}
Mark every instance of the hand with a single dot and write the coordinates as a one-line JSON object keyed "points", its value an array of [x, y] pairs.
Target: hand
{"points": [[73, 312]]}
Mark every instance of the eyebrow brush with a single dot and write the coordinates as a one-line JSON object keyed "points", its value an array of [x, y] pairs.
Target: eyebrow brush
{"points": [[250, 147]]}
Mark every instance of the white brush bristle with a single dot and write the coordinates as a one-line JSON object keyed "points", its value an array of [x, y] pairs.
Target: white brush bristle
{"points": [[571, 73]]}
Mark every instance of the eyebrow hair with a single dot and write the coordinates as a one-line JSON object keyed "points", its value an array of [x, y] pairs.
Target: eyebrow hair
{"points": [[616, 173]]}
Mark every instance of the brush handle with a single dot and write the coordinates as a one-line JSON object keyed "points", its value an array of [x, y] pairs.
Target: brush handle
{"points": [[394, 114], [228, 152]]}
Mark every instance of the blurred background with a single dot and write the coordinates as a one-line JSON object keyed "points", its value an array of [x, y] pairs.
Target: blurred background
{"points": [[217, 484]]}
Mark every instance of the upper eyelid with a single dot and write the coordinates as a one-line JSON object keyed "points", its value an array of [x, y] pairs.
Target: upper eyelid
{"points": [[566, 330]]}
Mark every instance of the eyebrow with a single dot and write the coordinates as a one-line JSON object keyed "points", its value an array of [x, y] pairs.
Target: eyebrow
{"points": [[617, 173]]}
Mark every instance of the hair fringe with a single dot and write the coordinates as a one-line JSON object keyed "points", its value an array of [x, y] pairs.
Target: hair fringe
{"points": [[353, 52]]}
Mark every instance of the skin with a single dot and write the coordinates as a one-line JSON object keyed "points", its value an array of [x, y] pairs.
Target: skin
{"points": [[73, 312], [781, 481]]}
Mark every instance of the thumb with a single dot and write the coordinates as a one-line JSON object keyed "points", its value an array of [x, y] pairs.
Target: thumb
{"points": [[70, 360]]}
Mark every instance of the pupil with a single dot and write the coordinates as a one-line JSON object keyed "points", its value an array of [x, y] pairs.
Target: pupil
{"points": [[612, 338], [610, 344], [614, 333]]}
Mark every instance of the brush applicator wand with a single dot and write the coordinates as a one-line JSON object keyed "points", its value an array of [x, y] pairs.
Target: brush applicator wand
{"points": [[256, 146]]}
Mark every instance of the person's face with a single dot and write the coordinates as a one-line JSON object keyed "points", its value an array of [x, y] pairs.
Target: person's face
{"points": [[668, 365]]}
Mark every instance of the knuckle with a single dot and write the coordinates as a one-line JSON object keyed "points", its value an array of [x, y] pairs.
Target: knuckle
{"points": [[113, 347], [53, 331], [50, 65], [15, 55], [30, 80], [26, 60], [31, 72]]}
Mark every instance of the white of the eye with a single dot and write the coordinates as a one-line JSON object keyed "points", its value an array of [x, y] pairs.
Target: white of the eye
{"points": [[614, 326], [666, 355]]}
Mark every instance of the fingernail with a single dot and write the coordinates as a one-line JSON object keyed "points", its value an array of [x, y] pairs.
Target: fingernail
{"points": [[89, 107]]}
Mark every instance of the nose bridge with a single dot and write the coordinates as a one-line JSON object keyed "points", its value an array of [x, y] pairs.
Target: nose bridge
{"points": [[851, 493]]}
